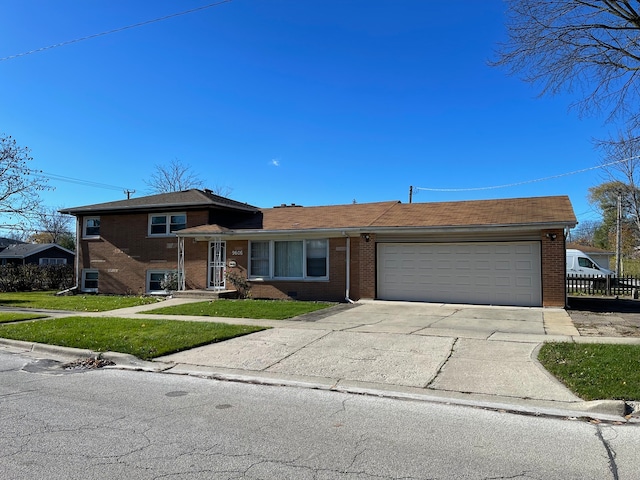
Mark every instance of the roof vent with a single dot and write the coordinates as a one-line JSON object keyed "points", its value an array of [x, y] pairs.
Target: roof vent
{"points": [[284, 205]]}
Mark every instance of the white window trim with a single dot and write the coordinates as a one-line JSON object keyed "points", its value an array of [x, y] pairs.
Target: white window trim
{"points": [[272, 277], [84, 227], [167, 230], [84, 277], [148, 280]]}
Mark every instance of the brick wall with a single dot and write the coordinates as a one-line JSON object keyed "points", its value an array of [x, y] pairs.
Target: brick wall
{"points": [[196, 257], [355, 290], [124, 252], [553, 268], [367, 261]]}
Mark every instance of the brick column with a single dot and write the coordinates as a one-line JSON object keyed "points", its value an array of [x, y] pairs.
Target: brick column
{"points": [[368, 265], [553, 268]]}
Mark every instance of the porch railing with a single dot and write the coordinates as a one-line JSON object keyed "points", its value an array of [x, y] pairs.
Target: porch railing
{"points": [[611, 285]]}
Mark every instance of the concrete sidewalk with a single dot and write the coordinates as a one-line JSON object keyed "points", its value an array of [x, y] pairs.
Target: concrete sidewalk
{"points": [[469, 355]]}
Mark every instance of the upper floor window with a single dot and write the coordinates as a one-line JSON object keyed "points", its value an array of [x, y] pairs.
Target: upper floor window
{"points": [[91, 227], [167, 223]]}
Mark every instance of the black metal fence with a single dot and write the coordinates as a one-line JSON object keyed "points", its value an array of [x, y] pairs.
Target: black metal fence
{"points": [[611, 285]]}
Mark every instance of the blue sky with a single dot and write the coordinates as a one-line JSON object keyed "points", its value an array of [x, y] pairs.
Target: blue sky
{"points": [[286, 101]]}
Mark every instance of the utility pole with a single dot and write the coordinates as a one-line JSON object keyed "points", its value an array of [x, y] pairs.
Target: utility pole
{"points": [[619, 237], [410, 194], [128, 193]]}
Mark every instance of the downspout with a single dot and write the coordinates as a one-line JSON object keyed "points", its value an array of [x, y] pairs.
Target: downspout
{"points": [[76, 260], [348, 268]]}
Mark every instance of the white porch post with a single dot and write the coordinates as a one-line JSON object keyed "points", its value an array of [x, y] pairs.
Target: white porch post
{"points": [[181, 273]]}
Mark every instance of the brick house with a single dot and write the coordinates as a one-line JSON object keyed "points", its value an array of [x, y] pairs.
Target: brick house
{"points": [[502, 252]]}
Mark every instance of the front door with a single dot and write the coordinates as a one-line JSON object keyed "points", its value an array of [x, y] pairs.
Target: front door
{"points": [[217, 260]]}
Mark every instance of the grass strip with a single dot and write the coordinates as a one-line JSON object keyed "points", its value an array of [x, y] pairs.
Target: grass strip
{"points": [[145, 339], [595, 371], [15, 317], [258, 309], [75, 303]]}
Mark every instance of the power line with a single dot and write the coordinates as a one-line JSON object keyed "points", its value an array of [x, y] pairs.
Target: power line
{"points": [[475, 189], [115, 30], [78, 181]]}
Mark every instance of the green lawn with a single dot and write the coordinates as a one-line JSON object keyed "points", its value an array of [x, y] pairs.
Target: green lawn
{"points": [[595, 371], [76, 303], [260, 309], [145, 339], [14, 316]]}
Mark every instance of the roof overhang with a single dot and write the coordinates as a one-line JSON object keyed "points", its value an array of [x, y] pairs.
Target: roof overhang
{"points": [[356, 231], [96, 210]]}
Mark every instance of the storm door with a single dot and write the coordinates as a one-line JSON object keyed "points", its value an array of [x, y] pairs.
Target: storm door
{"points": [[217, 259]]}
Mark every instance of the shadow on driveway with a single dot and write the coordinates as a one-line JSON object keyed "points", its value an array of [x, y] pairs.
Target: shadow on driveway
{"points": [[603, 305]]}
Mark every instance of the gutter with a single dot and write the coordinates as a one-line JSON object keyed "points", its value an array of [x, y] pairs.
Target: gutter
{"points": [[311, 232]]}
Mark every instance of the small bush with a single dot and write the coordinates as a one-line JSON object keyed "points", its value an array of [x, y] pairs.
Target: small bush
{"points": [[241, 284], [169, 282]]}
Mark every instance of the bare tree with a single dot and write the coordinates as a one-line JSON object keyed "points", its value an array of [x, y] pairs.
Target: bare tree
{"points": [[588, 47], [54, 227], [19, 185], [174, 177], [221, 190], [584, 233]]}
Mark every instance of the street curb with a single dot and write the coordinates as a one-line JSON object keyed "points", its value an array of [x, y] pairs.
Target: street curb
{"points": [[123, 361], [613, 411], [598, 410]]}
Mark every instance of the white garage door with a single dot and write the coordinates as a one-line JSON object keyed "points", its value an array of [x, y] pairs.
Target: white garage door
{"points": [[488, 273]]}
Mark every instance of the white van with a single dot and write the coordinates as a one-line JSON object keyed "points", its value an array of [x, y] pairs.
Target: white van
{"points": [[579, 263]]}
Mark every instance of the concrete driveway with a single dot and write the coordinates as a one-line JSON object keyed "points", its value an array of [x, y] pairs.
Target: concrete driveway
{"points": [[488, 351]]}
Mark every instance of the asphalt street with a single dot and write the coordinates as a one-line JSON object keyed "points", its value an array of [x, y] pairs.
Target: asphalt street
{"points": [[465, 354], [114, 424]]}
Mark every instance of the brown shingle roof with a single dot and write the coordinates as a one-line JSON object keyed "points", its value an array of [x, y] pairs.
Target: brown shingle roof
{"points": [[539, 211], [513, 211], [333, 216], [184, 199]]}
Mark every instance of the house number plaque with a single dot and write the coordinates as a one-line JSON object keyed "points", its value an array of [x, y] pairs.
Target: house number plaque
{"points": [[237, 253]]}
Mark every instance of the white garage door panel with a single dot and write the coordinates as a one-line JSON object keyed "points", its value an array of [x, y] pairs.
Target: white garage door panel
{"points": [[500, 273]]}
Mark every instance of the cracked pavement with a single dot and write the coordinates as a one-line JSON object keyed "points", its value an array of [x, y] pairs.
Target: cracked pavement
{"points": [[112, 424], [436, 348]]}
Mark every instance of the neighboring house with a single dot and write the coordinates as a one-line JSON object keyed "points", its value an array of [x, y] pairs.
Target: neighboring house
{"points": [[501, 252], [5, 242], [36, 254], [598, 255]]}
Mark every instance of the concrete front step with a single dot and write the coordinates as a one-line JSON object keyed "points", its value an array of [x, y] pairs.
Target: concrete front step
{"points": [[205, 294]]}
